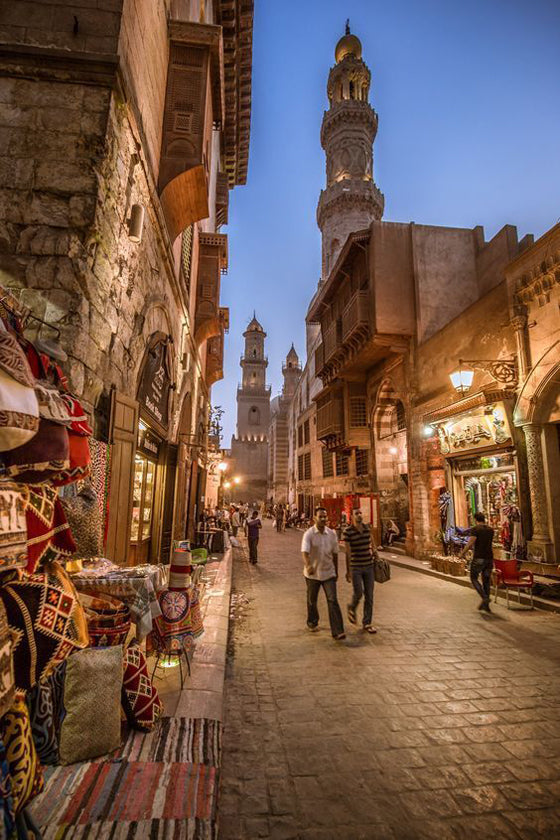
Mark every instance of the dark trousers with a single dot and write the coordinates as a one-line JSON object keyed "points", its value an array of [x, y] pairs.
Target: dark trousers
{"points": [[482, 568], [335, 615], [362, 583], [253, 543], [235, 529]]}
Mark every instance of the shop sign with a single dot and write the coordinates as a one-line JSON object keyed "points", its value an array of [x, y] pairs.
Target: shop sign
{"points": [[153, 393], [487, 426], [148, 442]]}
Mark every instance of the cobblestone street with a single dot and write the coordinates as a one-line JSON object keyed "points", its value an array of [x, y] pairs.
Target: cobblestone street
{"points": [[444, 725]]}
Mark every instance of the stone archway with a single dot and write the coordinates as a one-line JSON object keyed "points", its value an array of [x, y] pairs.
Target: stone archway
{"points": [[390, 447]]}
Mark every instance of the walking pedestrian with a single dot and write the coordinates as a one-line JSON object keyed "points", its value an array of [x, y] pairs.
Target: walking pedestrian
{"points": [[480, 540], [254, 524], [319, 547], [360, 556], [235, 521]]}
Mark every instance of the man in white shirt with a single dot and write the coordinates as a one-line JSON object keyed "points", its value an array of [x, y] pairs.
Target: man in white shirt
{"points": [[319, 548]]}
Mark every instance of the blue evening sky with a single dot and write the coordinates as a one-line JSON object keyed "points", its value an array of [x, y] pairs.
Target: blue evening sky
{"points": [[468, 98]]}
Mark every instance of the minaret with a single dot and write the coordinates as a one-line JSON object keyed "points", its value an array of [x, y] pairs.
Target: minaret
{"points": [[291, 370], [351, 200], [253, 397]]}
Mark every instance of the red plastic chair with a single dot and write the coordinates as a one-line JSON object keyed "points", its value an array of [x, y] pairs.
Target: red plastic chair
{"points": [[508, 576]]}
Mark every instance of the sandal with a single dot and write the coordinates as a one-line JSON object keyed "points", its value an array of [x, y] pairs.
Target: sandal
{"points": [[352, 615], [369, 628]]}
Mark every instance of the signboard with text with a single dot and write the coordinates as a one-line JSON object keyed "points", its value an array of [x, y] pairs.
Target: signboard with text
{"points": [[153, 393], [482, 427]]}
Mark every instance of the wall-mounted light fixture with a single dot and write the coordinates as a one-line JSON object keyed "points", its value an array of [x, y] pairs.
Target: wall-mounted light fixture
{"points": [[428, 431], [136, 223], [462, 380], [393, 450]]}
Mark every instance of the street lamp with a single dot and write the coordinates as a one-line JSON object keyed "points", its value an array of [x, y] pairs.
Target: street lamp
{"points": [[222, 466], [462, 380], [236, 480]]}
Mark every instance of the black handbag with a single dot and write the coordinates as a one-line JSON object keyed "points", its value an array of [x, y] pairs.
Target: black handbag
{"points": [[381, 570]]}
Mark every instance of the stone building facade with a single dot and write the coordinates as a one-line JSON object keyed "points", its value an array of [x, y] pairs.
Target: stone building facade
{"points": [[123, 125], [278, 432], [249, 446], [401, 307]]}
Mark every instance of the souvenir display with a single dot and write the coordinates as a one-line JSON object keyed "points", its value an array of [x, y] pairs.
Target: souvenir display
{"points": [[78, 443], [46, 620], [174, 623], [48, 532], [92, 694], [13, 526], [25, 769], [180, 570], [140, 699], [108, 620], [196, 614], [43, 457], [19, 411], [81, 507]]}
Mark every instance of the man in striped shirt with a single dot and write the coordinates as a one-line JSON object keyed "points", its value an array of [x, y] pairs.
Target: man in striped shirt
{"points": [[359, 569]]}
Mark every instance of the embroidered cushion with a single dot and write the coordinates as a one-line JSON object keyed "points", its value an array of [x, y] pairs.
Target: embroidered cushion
{"points": [[92, 695], [48, 532], [25, 769], [45, 712], [46, 620], [13, 526], [140, 699]]}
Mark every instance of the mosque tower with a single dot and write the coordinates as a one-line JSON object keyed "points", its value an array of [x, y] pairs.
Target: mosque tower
{"points": [[291, 370], [253, 397], [351, 200]]}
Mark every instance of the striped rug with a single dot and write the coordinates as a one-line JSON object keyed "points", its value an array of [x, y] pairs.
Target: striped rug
{"points": [[160, 785]]}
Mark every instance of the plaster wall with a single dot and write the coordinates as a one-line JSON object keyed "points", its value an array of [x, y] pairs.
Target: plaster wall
{"points": [[391, 278], [445, 275]]}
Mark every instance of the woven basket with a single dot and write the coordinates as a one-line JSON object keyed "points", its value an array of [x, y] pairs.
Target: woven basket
{"points": [[108, 620]]}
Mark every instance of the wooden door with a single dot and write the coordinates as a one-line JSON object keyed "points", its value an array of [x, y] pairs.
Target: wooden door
{"points": [[124, 434]]}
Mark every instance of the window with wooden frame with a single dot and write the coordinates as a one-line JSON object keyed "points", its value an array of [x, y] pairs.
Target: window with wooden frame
{"points": [[362, 461], [341, 463], [358, 412], [307, 466], [300, 436], [328, 467], [306, 432]]}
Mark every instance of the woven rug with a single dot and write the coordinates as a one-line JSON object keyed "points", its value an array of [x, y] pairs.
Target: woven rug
{"points": [[159, 785]]}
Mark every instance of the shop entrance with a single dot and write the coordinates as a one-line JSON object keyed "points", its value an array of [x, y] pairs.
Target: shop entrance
{"points": [[488, 484], [144, 489]]}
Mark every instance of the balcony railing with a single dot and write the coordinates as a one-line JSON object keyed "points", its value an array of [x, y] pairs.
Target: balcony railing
{"points": [[355, 317], [332, 339]]}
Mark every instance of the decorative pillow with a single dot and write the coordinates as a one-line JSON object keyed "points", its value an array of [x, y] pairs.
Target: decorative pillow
{"points": [[46, 620], [7, 687], [19, 412], [45, 712], [48, 532], [140, 699], [25, 769], [180, 570], [41, 458], [92, 694], [196, 614], [174, 623], [6, 798], [13, 526]]}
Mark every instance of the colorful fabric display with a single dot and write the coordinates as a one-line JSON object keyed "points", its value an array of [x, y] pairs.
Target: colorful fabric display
{"points": [[43, 457], [8, 819], [196, 614], [174, 623], [48, 532], [13, 526], [51, 404], [78, 434], [44, 702], [140, 699], [180, 570], [92, 695], [19, 413], [46, 620], [25, 769], [7, 686], [81, 507], [100, 479]]}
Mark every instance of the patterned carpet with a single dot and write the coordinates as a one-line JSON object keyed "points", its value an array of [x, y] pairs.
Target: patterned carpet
{"points": [[161, 785]]}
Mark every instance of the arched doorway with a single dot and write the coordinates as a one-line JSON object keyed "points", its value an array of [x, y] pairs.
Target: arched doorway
{"points": [[389, 442]]}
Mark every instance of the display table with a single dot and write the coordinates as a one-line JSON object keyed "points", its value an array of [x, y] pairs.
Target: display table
{"points": [[136, 586]]}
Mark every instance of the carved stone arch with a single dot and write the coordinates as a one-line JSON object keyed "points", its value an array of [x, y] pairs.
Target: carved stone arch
{"points": [[153, 318], [539, 389]]}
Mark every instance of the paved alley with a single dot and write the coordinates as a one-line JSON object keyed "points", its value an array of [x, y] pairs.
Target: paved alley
{"points": [[444, 725]]}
